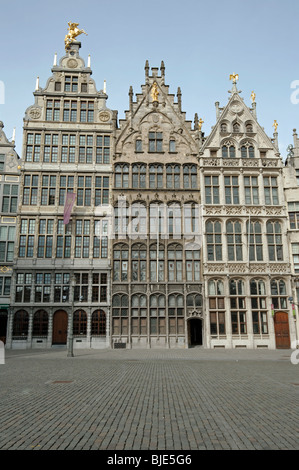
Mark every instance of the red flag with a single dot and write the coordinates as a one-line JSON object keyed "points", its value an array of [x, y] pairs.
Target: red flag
{"points": [[68, 206]]}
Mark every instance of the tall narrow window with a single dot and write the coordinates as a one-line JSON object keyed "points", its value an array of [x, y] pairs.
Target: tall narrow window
{"points": [[274, 238], [231, 189], [258, 307], [214, 241], [254, 237], [216, 307], [279, 294], [237, 307], [175, 263], [271, 190], [120, 263], [156, 176], [190, 177], [139, 256], [251, 190], [234, 241]]}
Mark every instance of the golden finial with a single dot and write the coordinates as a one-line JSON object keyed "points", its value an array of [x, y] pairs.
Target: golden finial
{"points": [[275, 125], [73, 32], [234, 77], [200, 123], [252, 96], [155, 92]]}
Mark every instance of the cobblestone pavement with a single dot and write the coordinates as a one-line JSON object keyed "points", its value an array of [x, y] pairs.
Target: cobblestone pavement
{"points": [[149, 400]]}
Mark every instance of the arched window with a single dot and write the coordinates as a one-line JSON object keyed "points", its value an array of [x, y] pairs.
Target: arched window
{"points": [[254, 237], [237, 307], [234, 241], [120, 262], [139, 257], [274, 239], [228, 150], [279, 294], [121, 175], [249, 127], [139, 176], [157, 215], [190, 176], [138, 224], [175, 263], [174, 220], [247, 150], [20, 323], [173, 176], [223, 127], [121, 219], [157, 314], [214, 240], [194, 301], [156, 176], [80, 323], [120, 311], [139, 314], [236, 127], [258, 307], [40, 323], [98, 323], [216, 307]]}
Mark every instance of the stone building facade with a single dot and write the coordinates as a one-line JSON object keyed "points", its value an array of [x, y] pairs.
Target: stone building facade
{"points": [[156, 269], [9, 188], [246, 264], [61, 283]]}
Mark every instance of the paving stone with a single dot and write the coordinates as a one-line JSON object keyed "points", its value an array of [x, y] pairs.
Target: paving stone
{"points": [[148, 400]]}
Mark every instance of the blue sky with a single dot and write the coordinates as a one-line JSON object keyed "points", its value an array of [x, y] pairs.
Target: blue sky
{"points": [[200, 42]]}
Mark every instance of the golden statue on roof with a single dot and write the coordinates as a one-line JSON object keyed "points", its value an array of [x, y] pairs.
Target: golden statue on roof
{"points": [[155, 92], [234, 77], [252, 96], [275, 125], [200, 123], [73, 32]]}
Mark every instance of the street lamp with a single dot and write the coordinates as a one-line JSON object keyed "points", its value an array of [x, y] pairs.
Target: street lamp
{"points": [[70, 352]]}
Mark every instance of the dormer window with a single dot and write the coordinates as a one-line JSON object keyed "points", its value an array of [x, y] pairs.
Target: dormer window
{"points": [[247, 151], [223, 127], [236, 127], [228, 151], [249, 128], [155, 141], [71, 83]]}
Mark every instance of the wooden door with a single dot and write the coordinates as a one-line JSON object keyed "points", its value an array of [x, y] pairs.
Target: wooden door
{"points": [[59, 327], [282, 332]]}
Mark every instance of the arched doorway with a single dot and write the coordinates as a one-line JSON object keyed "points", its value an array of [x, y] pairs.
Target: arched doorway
{"points": [[282, 332], [195, 332], [60, 321]]}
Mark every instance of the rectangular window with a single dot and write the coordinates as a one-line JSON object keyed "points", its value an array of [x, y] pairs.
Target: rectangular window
{"points": [[155, 141], [231, 184], [212, 189], [251, 190], [271, 190]]}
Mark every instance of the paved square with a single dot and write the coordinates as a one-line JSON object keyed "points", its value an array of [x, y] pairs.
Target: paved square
{"points": [[149, 400]]}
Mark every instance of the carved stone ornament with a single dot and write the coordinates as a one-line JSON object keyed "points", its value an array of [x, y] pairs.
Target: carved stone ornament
{"points": [[35, 113], [195, 313], [104, 116], [72, 63]]}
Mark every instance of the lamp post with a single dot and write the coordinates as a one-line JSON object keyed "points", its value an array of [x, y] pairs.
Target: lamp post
{"points": [[70, 352]]}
